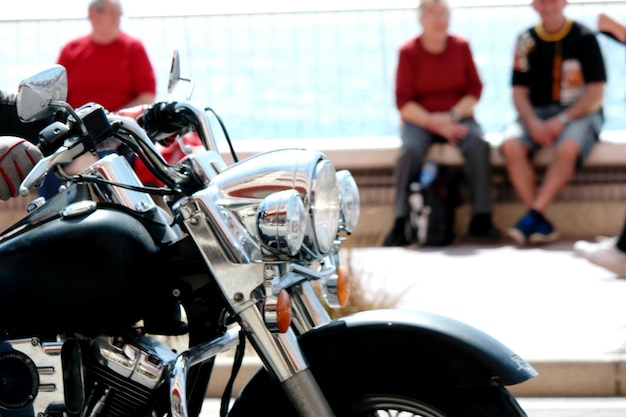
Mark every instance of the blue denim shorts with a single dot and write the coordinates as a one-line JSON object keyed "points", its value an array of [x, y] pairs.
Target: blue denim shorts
{"points": [[584, 130]]}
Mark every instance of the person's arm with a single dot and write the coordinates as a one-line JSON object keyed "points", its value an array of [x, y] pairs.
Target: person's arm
{"points": [[143, 98], [473, 87], [612, 27], [10, 123], [415, 114], [464, 107], [526, 113], [590, 102], [142, 76]]}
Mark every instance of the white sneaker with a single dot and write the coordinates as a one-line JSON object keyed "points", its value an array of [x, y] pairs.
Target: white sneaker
{"points": [[604, 254], [583, 248]]}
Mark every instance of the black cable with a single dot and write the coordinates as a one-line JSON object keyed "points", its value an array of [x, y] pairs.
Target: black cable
{"points": [[230, 143], [142, 189], [228, 391]]}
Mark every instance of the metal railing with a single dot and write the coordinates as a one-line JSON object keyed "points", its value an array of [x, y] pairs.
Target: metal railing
{"points": [[313, 73]]}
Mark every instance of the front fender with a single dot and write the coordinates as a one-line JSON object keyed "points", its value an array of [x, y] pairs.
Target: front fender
{"points": [[412, 355], [436, 350]]}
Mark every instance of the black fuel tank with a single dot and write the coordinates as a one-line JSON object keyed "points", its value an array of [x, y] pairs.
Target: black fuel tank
{"points": [[92, 272]]}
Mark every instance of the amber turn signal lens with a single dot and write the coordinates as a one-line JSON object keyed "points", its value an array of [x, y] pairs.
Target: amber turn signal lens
{"points": [[283, 311], [343, 287]]}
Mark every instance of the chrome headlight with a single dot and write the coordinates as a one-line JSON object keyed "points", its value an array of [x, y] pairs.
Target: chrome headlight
{"points": [[325, 205], [349, 201], [281, 222]]}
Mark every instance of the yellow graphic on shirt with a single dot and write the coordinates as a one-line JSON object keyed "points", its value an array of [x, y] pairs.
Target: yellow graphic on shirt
{"points": [[525, 45]]}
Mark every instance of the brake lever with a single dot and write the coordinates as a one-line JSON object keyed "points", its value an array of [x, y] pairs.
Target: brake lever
{"points": [[61, 156]]}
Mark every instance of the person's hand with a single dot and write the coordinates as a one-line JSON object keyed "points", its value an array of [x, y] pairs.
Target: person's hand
{"points": [[554, 126], [17, 158], [133, 112], [539, 133], [443, 125]]}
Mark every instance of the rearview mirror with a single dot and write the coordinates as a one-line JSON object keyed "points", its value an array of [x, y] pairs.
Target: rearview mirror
{"points": [[36, 94], [174, 76], [174, 72]]}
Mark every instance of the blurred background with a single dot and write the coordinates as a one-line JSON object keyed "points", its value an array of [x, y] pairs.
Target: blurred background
{"points": [[291, 70]]}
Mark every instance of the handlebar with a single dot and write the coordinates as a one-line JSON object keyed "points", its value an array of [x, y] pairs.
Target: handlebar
{"points": [[82, 138]]}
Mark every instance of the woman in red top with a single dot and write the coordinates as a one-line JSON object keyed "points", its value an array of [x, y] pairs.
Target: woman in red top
{"points": [[437, 87]]}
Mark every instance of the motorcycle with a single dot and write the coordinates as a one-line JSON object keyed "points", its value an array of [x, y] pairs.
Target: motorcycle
{"points": [[243, 253]]}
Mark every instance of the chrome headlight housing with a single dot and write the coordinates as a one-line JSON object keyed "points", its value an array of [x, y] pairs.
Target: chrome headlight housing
{"points": [[324, 205], [281, 222], [349, 202], [259, 194]]}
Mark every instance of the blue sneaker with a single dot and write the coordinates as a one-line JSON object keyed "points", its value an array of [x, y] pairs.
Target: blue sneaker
{"points": [[543, 233], [524, 227]]}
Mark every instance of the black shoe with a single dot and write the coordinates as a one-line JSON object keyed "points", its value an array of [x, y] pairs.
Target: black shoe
{"points": [[482, 227], [397, 235]]}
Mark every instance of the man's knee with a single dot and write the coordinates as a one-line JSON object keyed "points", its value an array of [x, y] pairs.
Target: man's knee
{"points": [[568, 150], [513, 149]]}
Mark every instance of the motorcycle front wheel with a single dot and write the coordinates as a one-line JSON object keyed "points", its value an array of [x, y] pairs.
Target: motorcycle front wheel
{"points": [[381, 406], [384, 397]]}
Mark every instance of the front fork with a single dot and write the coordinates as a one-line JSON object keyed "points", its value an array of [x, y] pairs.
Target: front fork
{"points": [[238, 281], [281, 354]]}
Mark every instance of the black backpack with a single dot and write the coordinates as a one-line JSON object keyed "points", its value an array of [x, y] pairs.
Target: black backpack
{"points": [[433, 206]]}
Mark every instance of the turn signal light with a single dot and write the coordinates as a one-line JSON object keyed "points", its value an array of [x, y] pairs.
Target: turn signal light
{"points": [[283, 311], [343, 286]]}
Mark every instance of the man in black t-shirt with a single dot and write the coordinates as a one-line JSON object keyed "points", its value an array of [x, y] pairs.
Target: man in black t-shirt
{"points": [[558, 86]]}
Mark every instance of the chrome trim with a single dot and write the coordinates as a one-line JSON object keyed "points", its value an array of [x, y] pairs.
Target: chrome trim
{"points": [[281, 222], [206, 165], [115, 168], [307, 310], [271, 291], [148, 148], [144, 362], [78, 208], [46, 357], [279, 352], [193, 356]]}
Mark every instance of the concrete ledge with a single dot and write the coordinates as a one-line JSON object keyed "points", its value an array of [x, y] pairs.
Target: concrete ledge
{"points": [[599, 377], [592, 377], [382, 151]]}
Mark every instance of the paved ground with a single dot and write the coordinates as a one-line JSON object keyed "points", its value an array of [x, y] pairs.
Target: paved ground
{"points": [[554, 309], [542, 302]]}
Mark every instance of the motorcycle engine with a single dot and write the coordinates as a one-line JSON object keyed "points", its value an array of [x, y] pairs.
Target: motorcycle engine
{"points": [[106, 376]]}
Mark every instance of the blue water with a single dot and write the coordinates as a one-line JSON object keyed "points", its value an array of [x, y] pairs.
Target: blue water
{"points": [[310, 75]]}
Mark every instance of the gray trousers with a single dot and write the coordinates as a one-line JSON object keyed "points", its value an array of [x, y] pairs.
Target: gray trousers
{"points": [[415, 143]]}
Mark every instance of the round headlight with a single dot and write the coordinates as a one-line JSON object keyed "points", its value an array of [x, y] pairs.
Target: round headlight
{"points": [[349, 201], [281, 222], [325, 205]]}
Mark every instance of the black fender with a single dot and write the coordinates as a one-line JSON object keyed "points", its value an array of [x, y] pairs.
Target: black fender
{"points": [[401, 353], [439, 350]]}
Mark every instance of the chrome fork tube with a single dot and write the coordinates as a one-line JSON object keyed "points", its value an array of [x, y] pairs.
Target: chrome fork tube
{"points": [[307, 310], [282, 356]]}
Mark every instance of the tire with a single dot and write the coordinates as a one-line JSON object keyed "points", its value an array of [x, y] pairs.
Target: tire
{"points": [[387, 396], [394, 406]]}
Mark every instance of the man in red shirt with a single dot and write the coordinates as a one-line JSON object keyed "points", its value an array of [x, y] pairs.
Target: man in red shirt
{"points": [[437, 87], [108, 67]]}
